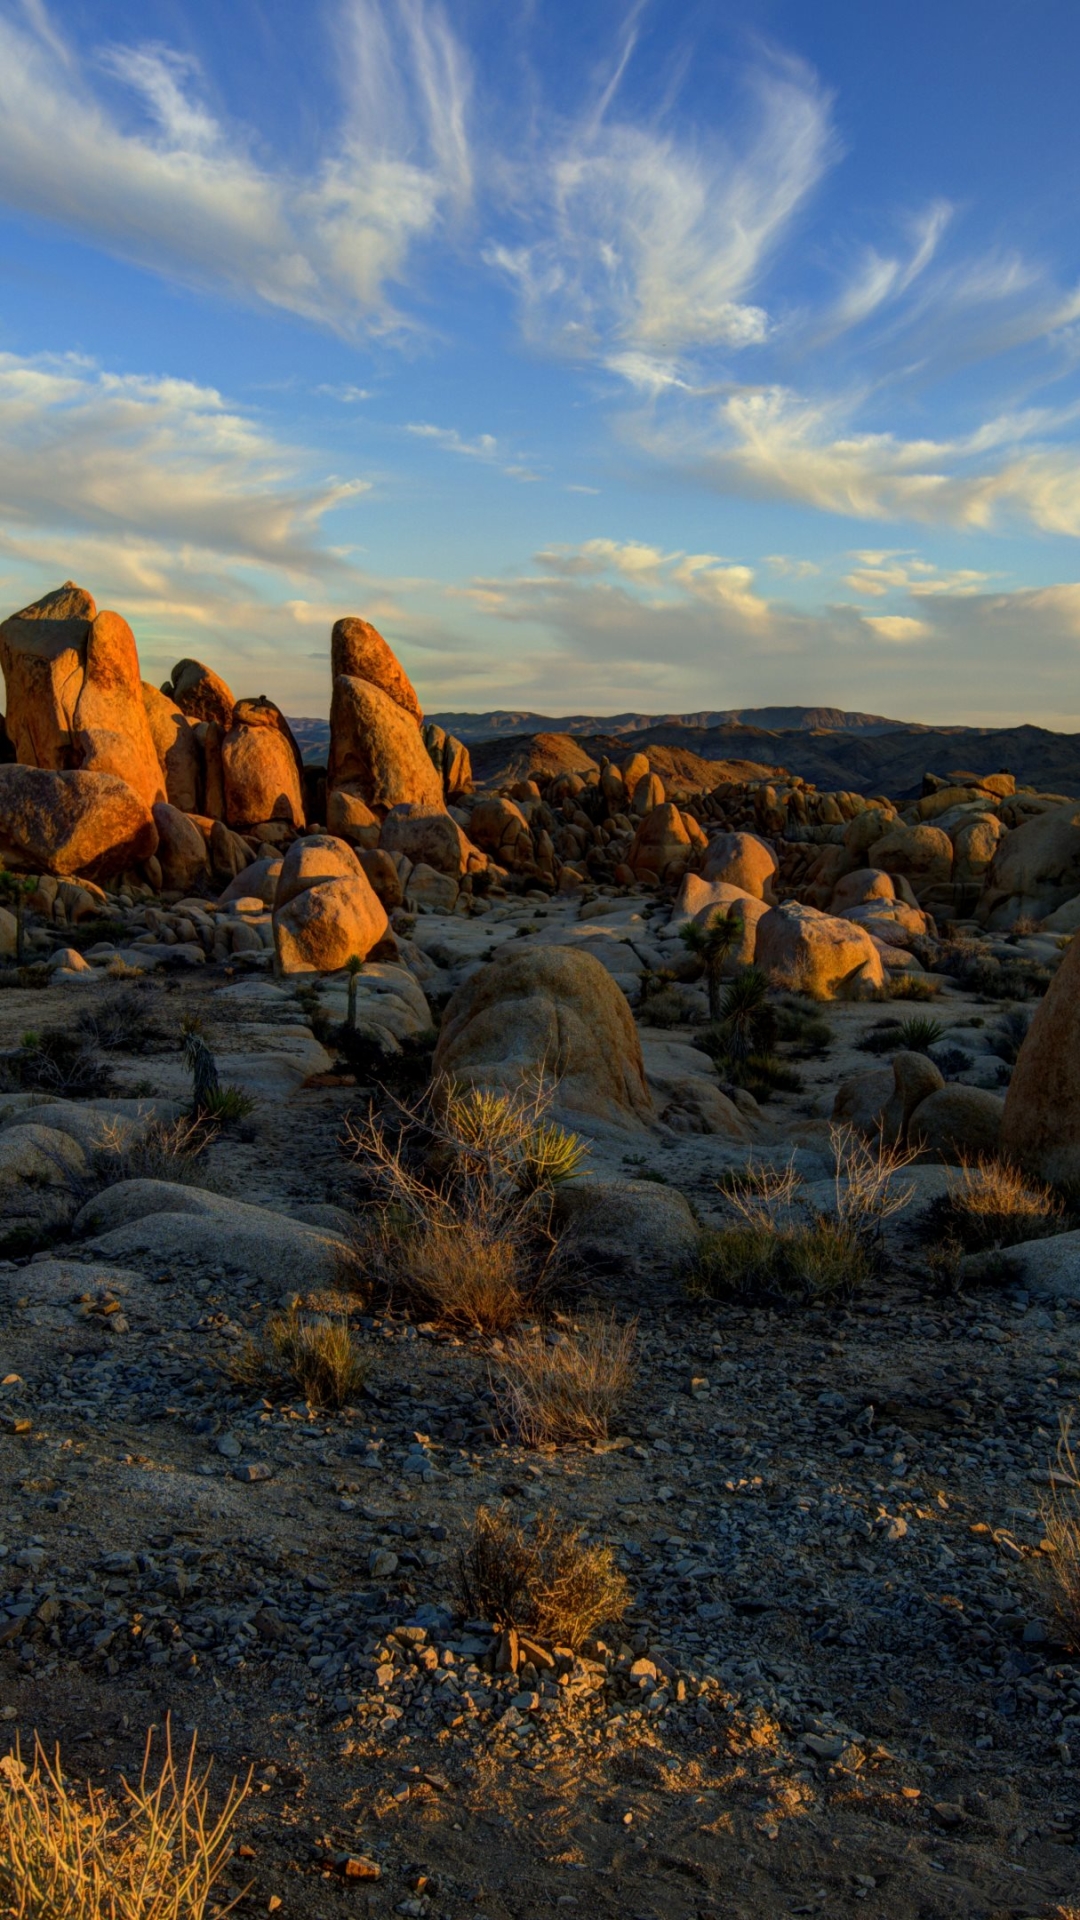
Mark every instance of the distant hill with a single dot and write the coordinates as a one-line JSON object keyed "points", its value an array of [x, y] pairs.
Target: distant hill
{"points": [[861, 752]]}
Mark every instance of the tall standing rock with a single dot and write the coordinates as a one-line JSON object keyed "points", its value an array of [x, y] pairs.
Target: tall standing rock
{"points": [[376, 748], [1040, 1128], [262, 771], [111, 729], [178, 751], [358, 650], [43, 655]]}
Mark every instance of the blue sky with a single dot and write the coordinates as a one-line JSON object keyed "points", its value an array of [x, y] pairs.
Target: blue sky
{"points": [[662, 356]]}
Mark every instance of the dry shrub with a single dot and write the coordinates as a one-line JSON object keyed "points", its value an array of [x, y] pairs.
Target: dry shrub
{"points": [[1059, 1570], [162, 1150], [318, 1353], [911, 986], [774, 1252], [566, 1386], [461, 1221], [991, 1203], [76, 1854], [543, 1578]]}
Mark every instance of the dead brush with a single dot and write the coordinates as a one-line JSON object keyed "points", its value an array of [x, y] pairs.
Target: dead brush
{"points": [[544, 1578], [460, 1221], [992, 1203], [162, 1150], [318, 1353], [1059, 1570], [69, 1853], [566, 1386]]}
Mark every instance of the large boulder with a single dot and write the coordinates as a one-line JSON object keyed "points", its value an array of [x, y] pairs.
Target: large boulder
{"points": [[555, 1012], [625, 1226], [73, 822], [157, 1221], [429, 836], [744, 861], [177, 749], [881, 1100], [110, 705], [810, 952], [450, 758], [350, 818], [1040, 1128], [975, 842], [376, 748], [662, 845], [1035, 869], [358, 650], [500, 828], [958, 1124], [182, 851], [859, 888], [40, 1168], [750, 910], [200, 693], [922, 855], [262, 771], [325, 911], [43, 654], [259, 881]]}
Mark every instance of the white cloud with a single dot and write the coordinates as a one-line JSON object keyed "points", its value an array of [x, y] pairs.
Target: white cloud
{"points": [[881, 573], [898, 627], [883, 278], [648, 240], [789, 569], [484, 447], [186, 196]]}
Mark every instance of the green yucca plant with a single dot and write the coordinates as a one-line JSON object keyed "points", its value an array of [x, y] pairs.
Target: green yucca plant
{"points": [[712, 944]]}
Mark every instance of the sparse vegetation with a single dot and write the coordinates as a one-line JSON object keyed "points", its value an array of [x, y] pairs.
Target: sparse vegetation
{"points": [[919, 1034], [1059, 1570], [560, 1385], [157, 1150], [803, 1029], [992, 1203], [60, 1061], [126, 1022], [544, 1578], [712, 944], [912, 986], [317, 1352], [461, 1192], [221, 1106], [157, 1853]]}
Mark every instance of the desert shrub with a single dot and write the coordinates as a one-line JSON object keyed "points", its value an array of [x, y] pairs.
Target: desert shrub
{"points": [[403, 1074], [665, 1008], [1024, 924], [991, 1203], [160, 1150], [566, 1386], [100, 931], [802, 1028], [543, 1578], [25, 979], [125, 1021], [778, 1185], [919, 1034], [983, 973], [69, 1853], [459, 1223], [59, 1061], [711, 944], [225, 1105], [912, 986], [317, 1352], [1058, 1572], [882, 1037]]}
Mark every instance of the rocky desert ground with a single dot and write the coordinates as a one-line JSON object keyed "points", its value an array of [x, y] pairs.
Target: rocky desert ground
{"points": [[789, 1105]]}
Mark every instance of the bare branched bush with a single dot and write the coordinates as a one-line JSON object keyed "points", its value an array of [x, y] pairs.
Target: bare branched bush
{"points": [[460, 1224], [1059, 1570], [318, 1353], [779, 1186], [69, 1853], [563, 1386], [160, 1150], [992, 1203], [868, 1190], [544, 1579]]}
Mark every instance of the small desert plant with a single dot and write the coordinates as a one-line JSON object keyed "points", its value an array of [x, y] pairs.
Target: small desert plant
{"points": [[15, 890], [1023, 925], [160, 1150], [665, 1008], [777, 1185], [225, 1105], [711, 945], [556, 1385], [803, 1028], [882, 1037], [60, 1061], [919, 1034], [71, 1854], [542, 1578], [210, 1100], [992, 1203], [746, 1020], [1059, 1570], [317, 1352], [461, 1224], [125, 1022], [912, 986]]}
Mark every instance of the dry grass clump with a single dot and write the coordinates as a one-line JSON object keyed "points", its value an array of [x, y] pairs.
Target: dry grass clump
{"points": [[561, 1386], [162, 1150], [77, 1854], [1059, 1570], [316, 1352], [911, 986], [991, 1203], [543, 1579], [772, 1252], [460, 1224]]}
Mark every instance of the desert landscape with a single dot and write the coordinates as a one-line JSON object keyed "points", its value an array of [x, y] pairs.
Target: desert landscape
{"points": [[538, 1305]]}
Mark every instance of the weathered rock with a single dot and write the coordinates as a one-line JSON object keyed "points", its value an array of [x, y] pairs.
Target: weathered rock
{"points": [[158, 1221], [325, 910], [958, 1123], [43, 653], [975, 843], [39, 1169], [554, 1012], [200, 693], [110, 703], [429, 836], [376, 748], [810, 952], [634, 768], [744, 861], [358, 650], [923, 855], [350, 818], [1035, 869], [647, 794], [229, 852], [915, 1078], [1041, 1124], [383, 876], [856, 889], [262, 771], [181, 849], [661, 846], [450, 758], [428, 891], [687, 1097], [1048, 1267], [861, 1099], [500, 828], [626, 1227], [72, 822], [177, 748], [259, 881]]}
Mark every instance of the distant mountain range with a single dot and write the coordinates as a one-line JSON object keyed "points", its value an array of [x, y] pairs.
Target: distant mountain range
{"points": [[860, 752]]}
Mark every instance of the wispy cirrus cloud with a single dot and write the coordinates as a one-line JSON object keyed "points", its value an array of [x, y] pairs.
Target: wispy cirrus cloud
{"points": [[173, 188]]}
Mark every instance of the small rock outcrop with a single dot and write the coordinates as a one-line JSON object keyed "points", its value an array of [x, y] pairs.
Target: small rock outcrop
{"points": [[200, 693], [325, 911]]}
